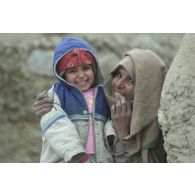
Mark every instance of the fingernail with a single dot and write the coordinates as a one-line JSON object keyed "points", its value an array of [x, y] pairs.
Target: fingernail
{"points": [[112, 107], [123, 100], [118, 103]]}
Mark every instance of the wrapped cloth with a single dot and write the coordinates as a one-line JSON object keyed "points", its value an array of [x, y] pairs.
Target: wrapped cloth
{"points": [[145, 141]]}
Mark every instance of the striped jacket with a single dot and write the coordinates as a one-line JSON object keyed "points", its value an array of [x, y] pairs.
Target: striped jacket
{"points": [[65, 127]]}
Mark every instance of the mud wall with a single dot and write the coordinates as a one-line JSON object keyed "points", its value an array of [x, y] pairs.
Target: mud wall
{"points": [[177, 111]]}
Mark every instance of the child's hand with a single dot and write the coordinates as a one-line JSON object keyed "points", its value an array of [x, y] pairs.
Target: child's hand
{"points": [[121, 117], [43, 104]]}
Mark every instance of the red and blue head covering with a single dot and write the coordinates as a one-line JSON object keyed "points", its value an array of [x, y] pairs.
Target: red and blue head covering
{"points": [[77, 57], [72, 52]]}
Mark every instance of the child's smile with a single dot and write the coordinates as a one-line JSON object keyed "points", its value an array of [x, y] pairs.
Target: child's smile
{"points": [[81, 77]]}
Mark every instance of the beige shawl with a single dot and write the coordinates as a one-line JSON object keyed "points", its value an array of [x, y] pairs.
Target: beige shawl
{"points": [[148, 71]]}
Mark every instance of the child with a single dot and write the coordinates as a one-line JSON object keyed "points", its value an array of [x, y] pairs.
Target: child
{"points": [[73, 131]]}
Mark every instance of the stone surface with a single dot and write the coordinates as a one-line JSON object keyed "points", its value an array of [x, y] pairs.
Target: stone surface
{"points": [[177, 111]]}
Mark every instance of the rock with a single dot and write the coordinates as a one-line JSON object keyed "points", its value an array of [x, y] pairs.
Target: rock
{"points": [[40, 62], [177, 110]]}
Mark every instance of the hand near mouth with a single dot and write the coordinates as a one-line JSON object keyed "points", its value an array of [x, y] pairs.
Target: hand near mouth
{"points": [[117, 95], [121, 117]]}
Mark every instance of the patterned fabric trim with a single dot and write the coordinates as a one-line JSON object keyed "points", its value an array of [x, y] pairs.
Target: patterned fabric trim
{"points": [[92, 158], [53, 119], [85, 118], [99, 117], [78, 117], [88, 158]]}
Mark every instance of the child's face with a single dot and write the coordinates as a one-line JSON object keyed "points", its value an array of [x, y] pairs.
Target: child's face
{"points": [[81, 77]]}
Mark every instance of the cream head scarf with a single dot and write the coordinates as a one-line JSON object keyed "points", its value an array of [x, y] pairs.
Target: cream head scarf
{"points": [[148, 73]]}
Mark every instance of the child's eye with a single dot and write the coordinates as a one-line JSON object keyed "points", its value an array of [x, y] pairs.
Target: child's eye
{"points": [[71, 71], [87, 67]]}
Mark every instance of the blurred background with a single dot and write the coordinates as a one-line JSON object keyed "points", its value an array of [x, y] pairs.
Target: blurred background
{"points": [[26, 70]]}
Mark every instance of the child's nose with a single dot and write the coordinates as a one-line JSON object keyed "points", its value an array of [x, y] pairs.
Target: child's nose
{"points": [[81, 73]]}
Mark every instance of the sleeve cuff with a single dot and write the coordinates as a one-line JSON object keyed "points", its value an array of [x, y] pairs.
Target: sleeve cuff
{"points": [[120, 153], [119, 148]]}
